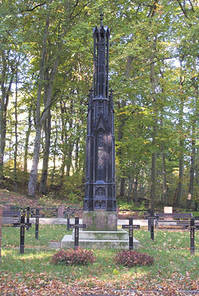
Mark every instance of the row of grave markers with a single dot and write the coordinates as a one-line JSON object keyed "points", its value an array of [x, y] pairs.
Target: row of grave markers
{"points": [[191, 225], [24, 223]]}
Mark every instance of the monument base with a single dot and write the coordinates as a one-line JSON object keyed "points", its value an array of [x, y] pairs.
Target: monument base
{"points": [[100, 220], [100, 240]]}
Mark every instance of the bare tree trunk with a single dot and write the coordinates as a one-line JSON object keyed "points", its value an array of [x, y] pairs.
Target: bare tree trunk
{"points": [[181, 145], [135, 188], [27, 139], [154, 128], [5, 94], [34, 170], [130, 187], [192, 168], [47, 130], [54, 154], [164, 184], [77, 155], [40, 118], [120, 136], [16, 133]]}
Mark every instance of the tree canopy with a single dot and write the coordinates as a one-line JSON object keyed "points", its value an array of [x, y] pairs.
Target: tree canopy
{"points": [[46, 70]]}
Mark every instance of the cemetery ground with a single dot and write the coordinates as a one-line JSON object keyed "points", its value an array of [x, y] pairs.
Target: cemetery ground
{"points": [[175, 271]]}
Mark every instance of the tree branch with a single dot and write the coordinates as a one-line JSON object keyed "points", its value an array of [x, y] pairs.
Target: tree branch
{"points": [[182, 8], [153, 9], [36, 6], [191, 6]]}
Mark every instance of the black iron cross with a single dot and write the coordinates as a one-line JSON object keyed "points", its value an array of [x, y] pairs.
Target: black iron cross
{"points": [[68, 213], [77, 226], [130, 227], [192, 228], [151, 218], [23, 225]]}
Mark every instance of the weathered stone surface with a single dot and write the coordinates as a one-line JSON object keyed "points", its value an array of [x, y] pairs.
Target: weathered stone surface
{"points": [[100, 220], [54, 244], [100, 243], [102, 235]]}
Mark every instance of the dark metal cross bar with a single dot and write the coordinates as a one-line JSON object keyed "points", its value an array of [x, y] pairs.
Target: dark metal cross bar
{"points": [[22, 232], [23, 224], [37, 224], [193, 226], [192, 236], [151, 226], [68, 213], [28, 218], [77, 226], [130, 227]]}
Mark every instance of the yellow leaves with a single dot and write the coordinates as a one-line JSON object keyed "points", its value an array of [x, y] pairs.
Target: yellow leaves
{"points": [[115, 271]]}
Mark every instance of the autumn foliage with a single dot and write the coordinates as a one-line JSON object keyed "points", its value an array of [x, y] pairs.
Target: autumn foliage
{"points": [[73, 257], [132, 258]]}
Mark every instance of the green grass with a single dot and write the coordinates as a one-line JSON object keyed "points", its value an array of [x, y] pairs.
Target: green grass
{"points": [[170, 251]]}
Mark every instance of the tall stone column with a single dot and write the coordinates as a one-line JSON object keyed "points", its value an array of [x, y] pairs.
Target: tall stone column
{"points": [[100, 201]]}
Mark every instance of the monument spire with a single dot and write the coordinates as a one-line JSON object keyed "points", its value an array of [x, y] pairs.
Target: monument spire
{"points": [[100, 150], [101, 19]]}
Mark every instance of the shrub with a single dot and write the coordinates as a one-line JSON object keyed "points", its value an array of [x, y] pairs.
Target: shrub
{"points": [[73, 257], [133, 258]]}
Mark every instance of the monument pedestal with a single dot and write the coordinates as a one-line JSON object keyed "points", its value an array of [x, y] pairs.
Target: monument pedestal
{"points": [[100, 233], [99, 240], [100, 220]]}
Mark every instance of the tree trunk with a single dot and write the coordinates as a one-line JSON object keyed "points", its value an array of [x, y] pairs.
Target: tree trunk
{"points": [[130, 187], [5, 94], [34, 170], [181, 144], [47, 131], [154, 128], [192, 168], [54, 154], [27, 139], [164, 184], [135, 189], [16, 133]]}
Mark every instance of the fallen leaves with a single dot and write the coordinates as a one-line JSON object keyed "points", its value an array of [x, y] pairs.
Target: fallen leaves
{"points": [[42, 284]]}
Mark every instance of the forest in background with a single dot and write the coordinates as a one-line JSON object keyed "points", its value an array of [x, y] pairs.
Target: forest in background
{"points": [[46, 68]]}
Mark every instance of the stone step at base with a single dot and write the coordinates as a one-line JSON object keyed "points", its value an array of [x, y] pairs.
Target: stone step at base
{"points": [[102, 235], [68, 242]]}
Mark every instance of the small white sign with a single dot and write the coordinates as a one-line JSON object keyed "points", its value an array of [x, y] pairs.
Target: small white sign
{"points": [[168, 210]]}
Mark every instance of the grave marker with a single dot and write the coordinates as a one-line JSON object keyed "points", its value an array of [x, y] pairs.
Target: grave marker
{"points": [[67, 213], [130, 227], [193, 227], [37, 224], [22, 232], [22, 224], [77, 226]]}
